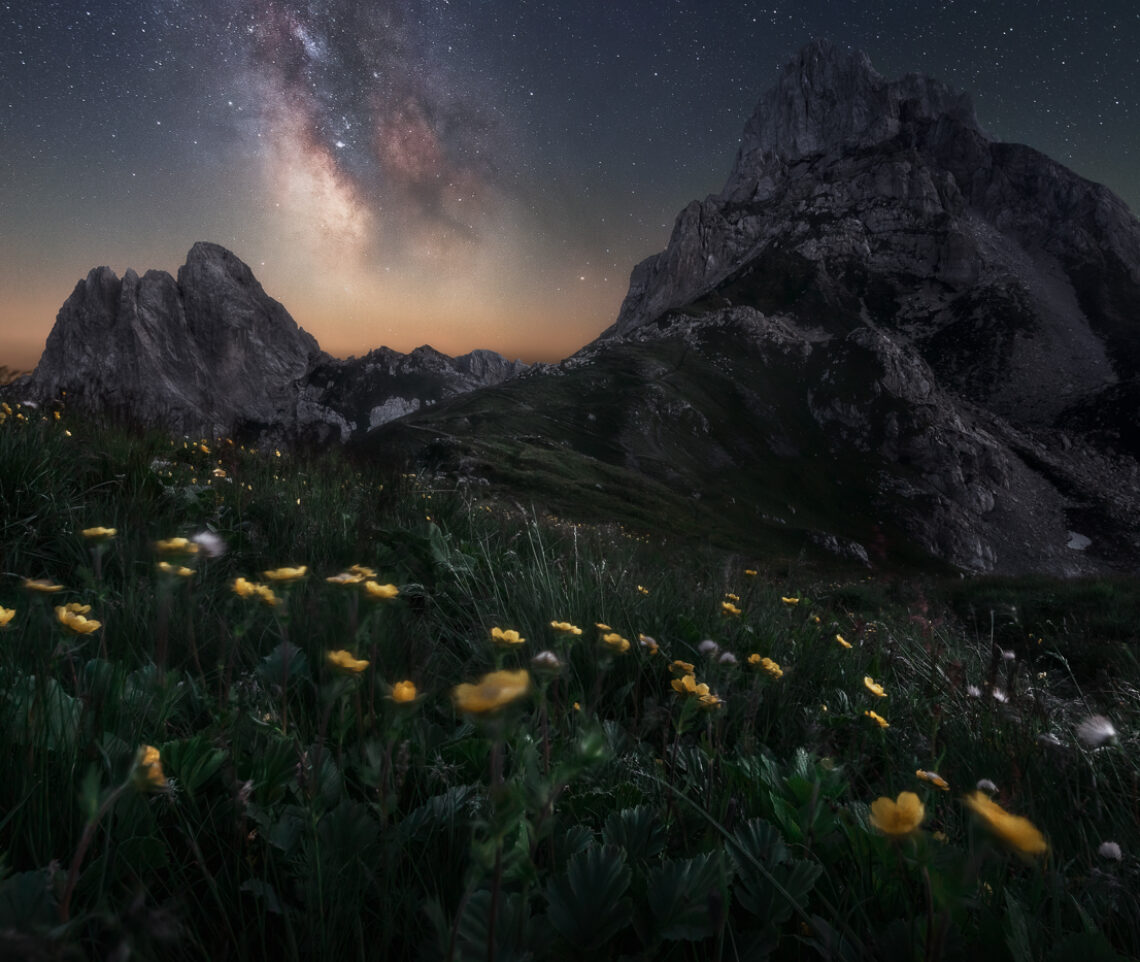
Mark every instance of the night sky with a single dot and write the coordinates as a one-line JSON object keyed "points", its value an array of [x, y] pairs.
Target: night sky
{"points": [[472, 173]]}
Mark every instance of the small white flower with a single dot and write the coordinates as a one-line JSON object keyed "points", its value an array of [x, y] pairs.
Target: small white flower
{"points": [[985, 785], [1095, 730], [1110, 850], [1008, 655], [973, 691], [999, 696], [708, 647], [210, 544], [546, 660], [1049, 740], [727, 658]]}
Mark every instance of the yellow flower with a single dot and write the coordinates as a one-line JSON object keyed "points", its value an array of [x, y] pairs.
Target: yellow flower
{"points": [[843, 641], [491, 692], [378, 592], [99, 534], [900, 817], [873, 688], [176, 546], [616, 642], [6, 615], [180, 570], [710, 701], [244, 588], [148, 775], [731, 597], [687, 685], [643, 590], [343, 661], [790, 602], [648, 643], [286, 575], [219, 472], [729, 608], [934, 778], [73, 618], [42, 585], [565, 627], [602, 627], [1014, 830], [681, 668], [750, 572], [878, 719], [508, 638], [362, 570], [403, 692], [771, 667]]}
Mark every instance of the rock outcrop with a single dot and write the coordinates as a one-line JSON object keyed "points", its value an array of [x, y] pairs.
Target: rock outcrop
{"points": [[211, 353]]}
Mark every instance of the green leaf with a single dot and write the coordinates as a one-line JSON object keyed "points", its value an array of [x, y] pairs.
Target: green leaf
{"points": [[515, 934], [282, 665], [770, 884], [637, 830], [586, 904], [192, 761], [1017, 930], [439, 811], [26, 900], [687, 896]]}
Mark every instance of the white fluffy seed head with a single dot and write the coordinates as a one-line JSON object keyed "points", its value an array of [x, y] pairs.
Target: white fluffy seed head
{"points": [[985, 785], [1110, 850], [727, 658], [708, 647], [1095, 730]]}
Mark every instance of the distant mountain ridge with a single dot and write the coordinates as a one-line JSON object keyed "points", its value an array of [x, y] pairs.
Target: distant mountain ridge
{"points": [[211, 353], [885, 330]]}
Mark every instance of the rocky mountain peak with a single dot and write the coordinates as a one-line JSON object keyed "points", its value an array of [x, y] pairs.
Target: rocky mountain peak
{"points": [[829, 98]]}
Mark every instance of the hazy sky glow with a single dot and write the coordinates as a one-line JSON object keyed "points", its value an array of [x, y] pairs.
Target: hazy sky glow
{"points": [[472, 173]]}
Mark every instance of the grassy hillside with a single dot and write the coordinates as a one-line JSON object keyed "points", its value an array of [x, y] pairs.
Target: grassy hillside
{"points": [[247, 760]]}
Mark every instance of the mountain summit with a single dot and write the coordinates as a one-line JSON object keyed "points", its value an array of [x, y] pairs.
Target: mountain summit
{"points": [[211, 353], [886, 330]]}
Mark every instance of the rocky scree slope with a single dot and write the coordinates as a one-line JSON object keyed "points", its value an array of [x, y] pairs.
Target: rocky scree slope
{"points": [[210, 353], [887, 332]]}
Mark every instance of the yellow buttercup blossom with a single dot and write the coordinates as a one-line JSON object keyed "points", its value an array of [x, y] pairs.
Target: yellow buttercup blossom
{"points": [[843, 641], [729, 608], [176, 546], [74, 619], [492, 692], [934, 778], [899, 817], [688, 685], [602, 627], [873, 687], [363, 570], [565, 627], [790, 602], [41, 585], [6, 615], [615, 641], [508, 638], [403, 692], [710, 701], [343, 661], [1015, 830], [771, 667], [180, 570], [750, 572], [99, 534], [244, 588], [642, 589], [148, 775], [877, 719], [378, 592], [681, 667], [286, 575], [731, 597]]}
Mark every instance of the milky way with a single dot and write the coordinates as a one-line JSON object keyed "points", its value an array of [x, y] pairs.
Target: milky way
{"points": [[466, 174]]}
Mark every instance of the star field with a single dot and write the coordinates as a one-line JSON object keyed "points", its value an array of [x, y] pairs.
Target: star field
{"points": [[464, 174]]}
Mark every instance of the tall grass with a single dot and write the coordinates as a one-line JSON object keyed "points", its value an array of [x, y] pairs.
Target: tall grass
{"points": [[311, 812]]}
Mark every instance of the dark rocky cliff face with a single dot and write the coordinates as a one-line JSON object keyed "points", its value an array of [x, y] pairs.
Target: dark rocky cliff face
{"points": [[211, 353], [884, 321]]}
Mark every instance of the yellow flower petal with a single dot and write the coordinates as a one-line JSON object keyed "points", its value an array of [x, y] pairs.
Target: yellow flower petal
{"points": [[899, 817], [492, 692], [403, 692], [344, 661], [1016, 831]]}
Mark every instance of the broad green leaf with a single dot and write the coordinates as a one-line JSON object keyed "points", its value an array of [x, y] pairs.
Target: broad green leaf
{"points": [[637, 830], [687, 896], [192, 761], [283, 664], [587, 903]]}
